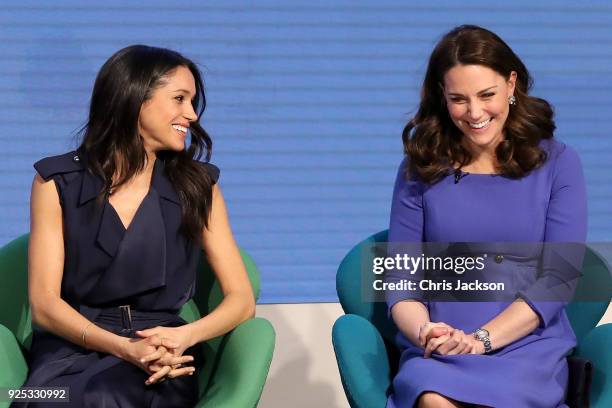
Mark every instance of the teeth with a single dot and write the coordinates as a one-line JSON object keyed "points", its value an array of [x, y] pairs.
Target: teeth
{"points": [[480, 125], [180, 128]]}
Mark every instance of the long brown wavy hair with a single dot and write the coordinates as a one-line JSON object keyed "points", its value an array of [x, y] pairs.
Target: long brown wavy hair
{"points": [[125, 81], [433, 142]]}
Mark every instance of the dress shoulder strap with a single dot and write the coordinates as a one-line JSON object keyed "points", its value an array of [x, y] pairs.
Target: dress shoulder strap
{"points": [[60, 164]]}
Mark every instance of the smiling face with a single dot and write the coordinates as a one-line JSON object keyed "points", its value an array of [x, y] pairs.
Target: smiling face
{"points": [[164, 118], [477, 101]]}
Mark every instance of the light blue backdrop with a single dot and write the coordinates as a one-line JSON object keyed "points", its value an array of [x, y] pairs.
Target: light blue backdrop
{"points": [[306, 103]]}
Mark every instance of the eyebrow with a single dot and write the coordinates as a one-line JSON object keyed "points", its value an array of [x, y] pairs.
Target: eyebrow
{"points": [[479, 92], [182, 90]]}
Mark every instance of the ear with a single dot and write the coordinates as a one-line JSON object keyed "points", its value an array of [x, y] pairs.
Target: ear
{"points": [[511, 83]]}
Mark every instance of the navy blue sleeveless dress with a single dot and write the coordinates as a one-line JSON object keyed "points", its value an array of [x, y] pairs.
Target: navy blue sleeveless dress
{"points": [[148, 266]]}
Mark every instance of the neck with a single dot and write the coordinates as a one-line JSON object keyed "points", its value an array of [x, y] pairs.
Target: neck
{"points": [[148, 169], [151, 156], [484, 158]]}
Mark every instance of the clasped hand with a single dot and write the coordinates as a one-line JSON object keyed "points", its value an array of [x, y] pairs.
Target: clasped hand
{"points": [[446, 340], [159, 352]]}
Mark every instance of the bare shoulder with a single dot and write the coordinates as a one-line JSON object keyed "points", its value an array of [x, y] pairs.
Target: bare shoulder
{"points": [[44, 200]]}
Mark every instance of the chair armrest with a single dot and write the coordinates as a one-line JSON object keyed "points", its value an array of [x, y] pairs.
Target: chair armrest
{"points": [[362, 361], [14, 367], [244, 361], [595, 346]]}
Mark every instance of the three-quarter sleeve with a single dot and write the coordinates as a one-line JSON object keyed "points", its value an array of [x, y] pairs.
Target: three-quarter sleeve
{"points": [[405, 226], [565, 235]]}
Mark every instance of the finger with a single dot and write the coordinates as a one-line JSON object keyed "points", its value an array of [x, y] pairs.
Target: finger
{"points": [[447, 346], [428, 349], [423, 334], [158, 375], [457, 350], [430, 330], [155, 340], [147, 332], [152, 357], [433, 344], [181, 371], [181, 360], [424, 331], [463, 347], [462, 343], [158, 341], [169, 343], [171, 359], [439, 331], [436, 332]]}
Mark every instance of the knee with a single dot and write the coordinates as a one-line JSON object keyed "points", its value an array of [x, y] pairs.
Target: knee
{"points": [[434, 400]]}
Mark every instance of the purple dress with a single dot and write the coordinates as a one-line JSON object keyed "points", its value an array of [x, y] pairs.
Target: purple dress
{"points": [[547, 205]]}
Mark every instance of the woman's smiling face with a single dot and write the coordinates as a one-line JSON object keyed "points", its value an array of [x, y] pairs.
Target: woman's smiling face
{"points": [[477, 100], [164, 118]]}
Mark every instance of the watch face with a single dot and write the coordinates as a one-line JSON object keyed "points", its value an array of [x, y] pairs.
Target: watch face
{"points": [[482, 332]]}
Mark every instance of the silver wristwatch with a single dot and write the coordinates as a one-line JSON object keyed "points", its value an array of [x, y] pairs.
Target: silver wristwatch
{"points": [[483, 335]]}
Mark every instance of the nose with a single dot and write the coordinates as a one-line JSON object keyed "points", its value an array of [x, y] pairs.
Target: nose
{"points": [[189, 113], [475, 110]]}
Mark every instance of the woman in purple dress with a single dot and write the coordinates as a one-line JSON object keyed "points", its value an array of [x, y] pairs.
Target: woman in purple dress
{"points": [[117, 230], [482, 166]]}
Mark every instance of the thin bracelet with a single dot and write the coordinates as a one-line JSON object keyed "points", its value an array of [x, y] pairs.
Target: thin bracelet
{"points": [[84, 333]]}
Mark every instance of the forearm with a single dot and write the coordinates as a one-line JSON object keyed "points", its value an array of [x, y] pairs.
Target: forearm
{"points": [[409, 316], [58, 317], [513, 323], [233, 310]]}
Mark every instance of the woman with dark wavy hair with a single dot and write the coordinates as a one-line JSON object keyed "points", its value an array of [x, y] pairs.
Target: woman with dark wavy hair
{"points": [[482, 166], [117, 228]]}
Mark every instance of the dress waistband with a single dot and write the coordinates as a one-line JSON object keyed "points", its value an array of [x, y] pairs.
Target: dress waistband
{"points": [[124, 320]]}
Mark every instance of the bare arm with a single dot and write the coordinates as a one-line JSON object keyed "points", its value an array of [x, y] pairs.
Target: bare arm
{"points": [[45, 270], [224, 258]]}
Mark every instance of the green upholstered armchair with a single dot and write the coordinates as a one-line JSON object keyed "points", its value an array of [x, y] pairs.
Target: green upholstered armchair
{"points": [[238, 361], [368, 359]]}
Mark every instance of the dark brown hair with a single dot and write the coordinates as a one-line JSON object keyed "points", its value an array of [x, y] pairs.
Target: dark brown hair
{"points": [[125, 81], [432, 141]]}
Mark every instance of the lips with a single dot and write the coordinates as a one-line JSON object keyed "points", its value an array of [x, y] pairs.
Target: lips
{"points": [[180, 128], [484, 125], [480, 125]]}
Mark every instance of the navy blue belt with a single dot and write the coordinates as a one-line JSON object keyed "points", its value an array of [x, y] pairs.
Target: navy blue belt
{"points": [[125, 320]]}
